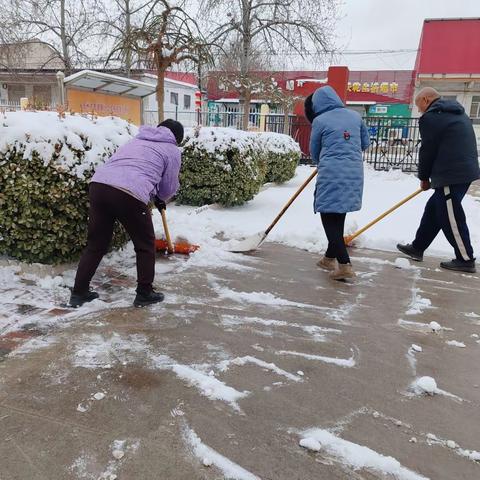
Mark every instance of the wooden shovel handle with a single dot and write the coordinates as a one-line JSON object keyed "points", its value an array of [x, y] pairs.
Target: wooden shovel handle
{"points": [[167, 233], [292, 199], [349, 238]]}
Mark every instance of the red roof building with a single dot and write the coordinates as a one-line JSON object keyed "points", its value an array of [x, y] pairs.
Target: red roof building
{"points": [[448, 59], [364, 87]]}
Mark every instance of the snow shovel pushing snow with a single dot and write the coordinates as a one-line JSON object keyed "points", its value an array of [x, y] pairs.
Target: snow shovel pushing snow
{"points": [[349, 238], [251, 243], [166, 245]]}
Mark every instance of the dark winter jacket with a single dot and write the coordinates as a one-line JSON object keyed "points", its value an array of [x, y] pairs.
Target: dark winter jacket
{"points": [[448, 154]]}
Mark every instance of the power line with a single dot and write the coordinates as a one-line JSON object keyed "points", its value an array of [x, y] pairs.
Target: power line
{"points": [[345, 52]]}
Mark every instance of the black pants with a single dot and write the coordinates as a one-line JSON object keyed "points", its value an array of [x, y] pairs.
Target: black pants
{"points": [[334, 225], [444, 212], [108, 204]]}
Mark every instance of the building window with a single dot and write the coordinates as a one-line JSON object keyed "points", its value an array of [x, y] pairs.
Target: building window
{"points": [[16, 92], [174, 98], [475, 108], [187, 102]]}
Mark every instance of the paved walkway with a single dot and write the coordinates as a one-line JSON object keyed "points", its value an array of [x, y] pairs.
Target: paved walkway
{"points": [[220, 366]]}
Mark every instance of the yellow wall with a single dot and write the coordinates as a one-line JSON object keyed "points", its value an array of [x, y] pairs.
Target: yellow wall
{"points": [[80, 101]]}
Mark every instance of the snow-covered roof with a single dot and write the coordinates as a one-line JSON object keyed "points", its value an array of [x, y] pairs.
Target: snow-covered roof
{"points": [[171, 80], [107, 83]]}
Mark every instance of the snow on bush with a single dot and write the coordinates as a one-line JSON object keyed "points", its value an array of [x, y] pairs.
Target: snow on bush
{"points": [[227, 166], [282, 155], [45, 164]]}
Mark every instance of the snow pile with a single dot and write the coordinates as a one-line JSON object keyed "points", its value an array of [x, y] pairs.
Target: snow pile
{"points": [[208, 456], [63, 139], [403, 264], [356, 456], [300, 228], [428, 386], [425, 385], [455, 343], [418, 304]]}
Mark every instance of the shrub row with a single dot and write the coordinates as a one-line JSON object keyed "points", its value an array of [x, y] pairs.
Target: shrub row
{"points": [[45, 164], [227, 166]]}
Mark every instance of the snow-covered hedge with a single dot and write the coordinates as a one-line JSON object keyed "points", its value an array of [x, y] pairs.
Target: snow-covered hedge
{"points": [[282, 155], [220, 165], [45, 164], [227, 166]]}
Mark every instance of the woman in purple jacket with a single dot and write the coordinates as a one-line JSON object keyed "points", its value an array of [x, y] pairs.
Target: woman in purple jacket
{"points": [[144, 169]]}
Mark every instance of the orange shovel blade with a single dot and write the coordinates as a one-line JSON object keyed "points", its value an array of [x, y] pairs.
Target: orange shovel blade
{"points": [[181, 247]]}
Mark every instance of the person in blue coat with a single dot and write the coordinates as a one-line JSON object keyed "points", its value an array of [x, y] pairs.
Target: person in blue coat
{"points": [[337, 140]]}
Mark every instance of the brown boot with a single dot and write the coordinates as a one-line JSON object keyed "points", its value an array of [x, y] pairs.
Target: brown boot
{"points": [[343, 272], [327, 263]]}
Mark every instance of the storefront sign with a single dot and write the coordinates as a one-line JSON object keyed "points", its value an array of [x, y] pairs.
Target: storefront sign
{"points": [[104, 105], [373, 87]]}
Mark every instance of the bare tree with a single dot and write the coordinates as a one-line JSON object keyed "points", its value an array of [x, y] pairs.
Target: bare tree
{"points": [[254, 82], [119, 19], [64, 25], [271, 26], [286, 100], [168, 36]]}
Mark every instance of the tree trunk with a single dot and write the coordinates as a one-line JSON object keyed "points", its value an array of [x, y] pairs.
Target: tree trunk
{"points": [[160, 92], [64, 40], [247, 98], [128, 33], [286, 122]]}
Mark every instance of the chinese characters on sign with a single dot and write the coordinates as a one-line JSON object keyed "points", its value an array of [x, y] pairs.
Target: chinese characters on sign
{"points": [[373, 87]]}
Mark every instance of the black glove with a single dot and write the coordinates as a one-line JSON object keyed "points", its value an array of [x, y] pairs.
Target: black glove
{"points": [[160, 204]]}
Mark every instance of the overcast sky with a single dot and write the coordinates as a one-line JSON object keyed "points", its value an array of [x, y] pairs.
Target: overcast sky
{"points": [[387, 24]]}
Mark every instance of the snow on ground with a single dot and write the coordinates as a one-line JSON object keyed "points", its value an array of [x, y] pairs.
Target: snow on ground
{"points": [[341, 362], [207, 384], [240, 361], [356, 456], [301, 228], [317, 332], [455, 343], [428, 386], [208, 456]]}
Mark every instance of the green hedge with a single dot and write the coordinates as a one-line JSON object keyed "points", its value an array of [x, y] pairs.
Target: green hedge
{"points": [[226, 166], [282, 155], [44, 177], [220, 166]]}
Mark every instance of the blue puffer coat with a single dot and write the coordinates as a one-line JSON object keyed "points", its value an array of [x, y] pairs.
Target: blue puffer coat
{"points": [[338, 137]]}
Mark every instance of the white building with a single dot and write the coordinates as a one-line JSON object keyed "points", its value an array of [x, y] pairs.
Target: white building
{"points": [[179, 102]]}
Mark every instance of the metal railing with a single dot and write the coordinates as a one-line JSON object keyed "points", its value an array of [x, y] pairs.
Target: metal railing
{"points": [[394, 143]]}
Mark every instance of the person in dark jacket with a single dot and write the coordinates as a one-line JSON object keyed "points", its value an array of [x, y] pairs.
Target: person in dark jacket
{"points": [[448, 163], [143, 170], [338, 137]]}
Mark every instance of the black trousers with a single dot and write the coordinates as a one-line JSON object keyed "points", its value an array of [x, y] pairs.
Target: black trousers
{"points": [[444, 211], [108, 204], [334, 225]]}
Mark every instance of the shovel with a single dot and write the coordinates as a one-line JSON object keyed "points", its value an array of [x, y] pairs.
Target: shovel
{"points": [[349, 238], [167, 245], [251, 243]]}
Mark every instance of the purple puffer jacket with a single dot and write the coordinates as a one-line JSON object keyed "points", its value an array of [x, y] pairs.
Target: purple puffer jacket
{"points": [[147, 166]]}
